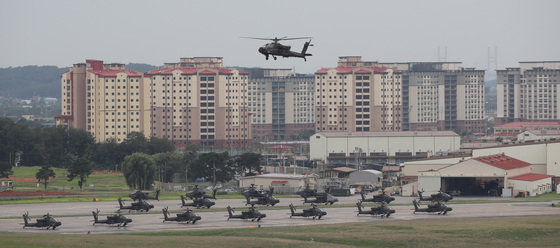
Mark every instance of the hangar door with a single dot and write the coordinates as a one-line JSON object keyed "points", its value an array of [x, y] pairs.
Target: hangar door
{"points": [[473, 186]]}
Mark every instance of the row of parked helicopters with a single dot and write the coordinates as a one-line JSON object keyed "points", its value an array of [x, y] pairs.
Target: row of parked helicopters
{"points": [[254, 197]]}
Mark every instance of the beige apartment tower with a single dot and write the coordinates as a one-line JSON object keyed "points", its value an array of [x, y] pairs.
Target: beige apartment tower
{"points": [[357, 96], [106, 100], [529, 92], [197, 101]]}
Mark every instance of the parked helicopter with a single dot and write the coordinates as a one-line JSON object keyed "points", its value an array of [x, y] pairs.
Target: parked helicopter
{"points": [[319, 198], [313, 211], [47, 221], [118, 219], [264, 197], [188, 216], [435, 207], [378, 198], [139, 195], [197, 193], [197, 202], [140, 205], [440, 196], [380, 210], [251, 214], [276, 49]]}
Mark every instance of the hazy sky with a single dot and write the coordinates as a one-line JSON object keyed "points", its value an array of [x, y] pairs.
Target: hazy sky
{"points": [[66, 32]]}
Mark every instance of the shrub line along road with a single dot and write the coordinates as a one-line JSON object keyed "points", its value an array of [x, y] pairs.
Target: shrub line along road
{"points": [[215, 220]]}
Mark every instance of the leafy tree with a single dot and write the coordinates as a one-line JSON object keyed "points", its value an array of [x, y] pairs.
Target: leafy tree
{"points": [[44, 174], [167, 165], [160, 145], [247, 163], [139, 170], [5, 169], [306, 134], [215, 167], [81, 168], [189, 156]]}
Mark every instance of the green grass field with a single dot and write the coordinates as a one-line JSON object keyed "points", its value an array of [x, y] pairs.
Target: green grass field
{"points": [[539, 231]]}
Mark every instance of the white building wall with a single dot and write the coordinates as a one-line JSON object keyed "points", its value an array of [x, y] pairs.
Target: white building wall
{"points": [[553, 159], [322, 146], [533, 187], [533, 154], [429, 184]]}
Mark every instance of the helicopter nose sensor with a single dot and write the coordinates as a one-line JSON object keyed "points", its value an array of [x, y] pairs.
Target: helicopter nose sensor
{"points": [[262, 50]]}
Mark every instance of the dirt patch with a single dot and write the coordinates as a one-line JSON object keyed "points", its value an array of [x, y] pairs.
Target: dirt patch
{"points": [[22, 179], [11, 193]]}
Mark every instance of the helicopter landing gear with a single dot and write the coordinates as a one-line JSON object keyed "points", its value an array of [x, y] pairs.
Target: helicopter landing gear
{"points": [[274, 58], [266, 57]]}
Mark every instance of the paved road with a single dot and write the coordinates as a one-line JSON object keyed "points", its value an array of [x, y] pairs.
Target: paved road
{"points": [[213, 220], [85, 208]]}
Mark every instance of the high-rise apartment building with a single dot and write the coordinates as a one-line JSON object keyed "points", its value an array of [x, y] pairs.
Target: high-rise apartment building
{"points": [[197, 101], [441, 96], [357, 96], [281, 103], [529, 92], [104, 99]]}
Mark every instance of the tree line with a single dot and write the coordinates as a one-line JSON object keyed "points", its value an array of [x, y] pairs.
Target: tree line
{"points": [[141, 160]]}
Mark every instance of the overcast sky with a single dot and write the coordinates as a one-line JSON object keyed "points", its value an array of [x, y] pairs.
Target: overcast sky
{"points": [[66, 32]]}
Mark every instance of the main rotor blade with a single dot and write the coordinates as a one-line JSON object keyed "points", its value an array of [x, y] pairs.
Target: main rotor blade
{"points": [[255, 38], [298, 38]]}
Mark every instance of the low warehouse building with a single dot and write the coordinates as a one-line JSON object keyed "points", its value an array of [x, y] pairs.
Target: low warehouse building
{"points": [[497, 175], [282, 183], [365, 178]]}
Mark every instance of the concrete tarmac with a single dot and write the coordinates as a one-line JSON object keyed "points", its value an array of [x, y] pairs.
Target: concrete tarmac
{"points": [[152, 221]]}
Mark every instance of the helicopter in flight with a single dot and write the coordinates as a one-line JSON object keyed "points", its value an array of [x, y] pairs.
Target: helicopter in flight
{"points": [[47, 221], [275, 49], [118, 219]]}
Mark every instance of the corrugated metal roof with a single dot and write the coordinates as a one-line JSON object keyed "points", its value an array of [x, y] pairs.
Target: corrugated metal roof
{"points": [[502, 161], [530, 177], [389, 134]]}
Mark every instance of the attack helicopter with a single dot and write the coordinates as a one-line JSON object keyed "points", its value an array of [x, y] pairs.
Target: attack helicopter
{"points": [[139, 195], [197, 193], [313, 211], [118, 219], [264, 197], [251, 214], [318, 198], [434, 207], [276, 49], [378, 198], [188, 216], [47, 221], [440, 196], [380, 210], [140, 205], [197, 202]]}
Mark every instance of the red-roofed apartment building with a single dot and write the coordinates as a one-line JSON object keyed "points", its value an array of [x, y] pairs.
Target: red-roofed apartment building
{"points": [[497, 175], [357, 96], [193, 101], [106, 100]]}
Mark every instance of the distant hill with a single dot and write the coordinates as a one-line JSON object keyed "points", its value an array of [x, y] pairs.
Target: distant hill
{"points": [[140, 67], [26, 81]]}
